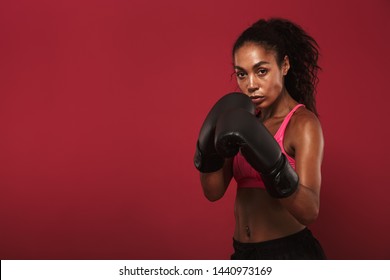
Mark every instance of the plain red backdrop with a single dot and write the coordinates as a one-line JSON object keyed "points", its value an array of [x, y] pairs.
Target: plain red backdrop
{"points": [[101, 103]]}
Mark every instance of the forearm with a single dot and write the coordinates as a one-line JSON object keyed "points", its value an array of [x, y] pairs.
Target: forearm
{"points": [[303, 204], [215, 184]]}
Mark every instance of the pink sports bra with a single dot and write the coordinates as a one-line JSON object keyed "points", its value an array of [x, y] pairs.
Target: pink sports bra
{"points": [[245, 175]]}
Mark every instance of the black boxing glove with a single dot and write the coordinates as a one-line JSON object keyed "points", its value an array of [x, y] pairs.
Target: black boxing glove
{"points": [[206, 158], [239, 130]]}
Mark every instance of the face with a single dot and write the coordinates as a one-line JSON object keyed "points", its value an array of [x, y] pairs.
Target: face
{"points": [[259, 75]]}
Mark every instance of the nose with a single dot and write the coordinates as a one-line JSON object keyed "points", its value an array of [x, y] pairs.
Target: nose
{"points": [[252, 84]]}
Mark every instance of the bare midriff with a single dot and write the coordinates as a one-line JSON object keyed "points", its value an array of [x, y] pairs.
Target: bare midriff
{"points": [[259, 217]]}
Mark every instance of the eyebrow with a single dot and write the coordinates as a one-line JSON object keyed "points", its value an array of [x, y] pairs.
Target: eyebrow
{"points": [[258, 64]]}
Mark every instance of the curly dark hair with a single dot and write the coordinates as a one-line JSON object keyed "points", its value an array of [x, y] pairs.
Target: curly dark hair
{"points": [[287, 38]]}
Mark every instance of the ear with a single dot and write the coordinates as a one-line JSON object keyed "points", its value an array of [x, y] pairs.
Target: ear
{"points": [[285, 65]]}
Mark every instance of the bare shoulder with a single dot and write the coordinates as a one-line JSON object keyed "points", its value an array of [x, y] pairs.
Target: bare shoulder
{"points": [[304, 129], [304, 121]]}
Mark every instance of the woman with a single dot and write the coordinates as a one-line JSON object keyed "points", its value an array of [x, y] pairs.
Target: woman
{"points": [[275, 63]]}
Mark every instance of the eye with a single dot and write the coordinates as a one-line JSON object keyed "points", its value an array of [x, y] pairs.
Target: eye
{"points": [[262, 71], [240, 74]]}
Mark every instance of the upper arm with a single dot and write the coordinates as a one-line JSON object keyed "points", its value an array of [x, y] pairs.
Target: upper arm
{"points": [[308, 145], [306, 140]]}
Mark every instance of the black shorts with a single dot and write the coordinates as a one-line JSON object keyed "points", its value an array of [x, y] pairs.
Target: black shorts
{"points": [[298, 246]]}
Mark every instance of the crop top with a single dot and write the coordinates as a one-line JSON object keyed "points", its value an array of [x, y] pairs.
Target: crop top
{"points": [[243, 172]]}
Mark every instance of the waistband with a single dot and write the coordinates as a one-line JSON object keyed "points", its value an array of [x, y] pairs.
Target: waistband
{"points": [[292, 239]]}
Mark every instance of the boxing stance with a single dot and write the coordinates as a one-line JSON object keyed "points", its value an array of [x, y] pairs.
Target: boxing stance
{"points": [[239, 129], [231, 125], [269, 139]]}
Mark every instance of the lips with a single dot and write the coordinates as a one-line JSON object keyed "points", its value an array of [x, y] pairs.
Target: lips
{"points": [[257, 99]]}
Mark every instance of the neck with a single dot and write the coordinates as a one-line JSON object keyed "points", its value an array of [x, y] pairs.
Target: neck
{"points": [[280, 108]]}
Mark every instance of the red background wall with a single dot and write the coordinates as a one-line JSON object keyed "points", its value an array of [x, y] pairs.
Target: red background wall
{"points": [[101, 103]]}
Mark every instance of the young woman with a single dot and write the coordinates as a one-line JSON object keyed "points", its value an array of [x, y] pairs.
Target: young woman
{"points": [[269, 139]]}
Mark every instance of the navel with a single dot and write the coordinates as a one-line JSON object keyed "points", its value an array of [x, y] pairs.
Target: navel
{"points": [[248, 231]]}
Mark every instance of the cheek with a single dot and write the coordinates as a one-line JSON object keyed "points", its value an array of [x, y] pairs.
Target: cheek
{"points": [[241, 85], [276, 85]]}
